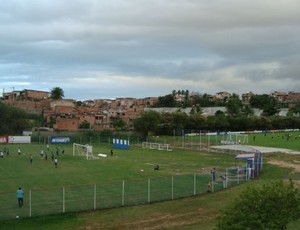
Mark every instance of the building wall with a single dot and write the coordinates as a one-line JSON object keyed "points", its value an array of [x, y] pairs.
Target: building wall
{"points": [[34, 94], [70, 124], [64, 110], [32, 107], [87, 110], [89, 118], [65, 102]]}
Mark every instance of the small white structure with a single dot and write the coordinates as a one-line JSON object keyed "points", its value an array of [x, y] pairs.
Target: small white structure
{"points": [[102, 155], [83, 150], [158, 146]]}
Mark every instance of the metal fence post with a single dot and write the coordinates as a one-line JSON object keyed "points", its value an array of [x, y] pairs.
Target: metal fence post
{"points": [[123, 193], [245, 172], [29, 203], [194, 183], [95, 197], [212, 183], [63, 193], [238, 175], [149, 190], [172, 187], [226, 178]]}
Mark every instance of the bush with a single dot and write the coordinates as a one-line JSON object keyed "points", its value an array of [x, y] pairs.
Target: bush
{"points": [[271, 206]]}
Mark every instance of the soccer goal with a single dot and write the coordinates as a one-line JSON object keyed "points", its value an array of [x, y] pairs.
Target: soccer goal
{"points": [[158, 146], [83, 150], [237, 138]]}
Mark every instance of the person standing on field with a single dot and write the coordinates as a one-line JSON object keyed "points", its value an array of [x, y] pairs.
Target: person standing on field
{"points": [[57, 151], [20, 195], [213, 173], [31, 159], [19, 151], [55, 162], [42, 153]]}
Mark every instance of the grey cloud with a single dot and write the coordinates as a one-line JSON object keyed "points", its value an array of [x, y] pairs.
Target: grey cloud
{"points": [[210, 46]]}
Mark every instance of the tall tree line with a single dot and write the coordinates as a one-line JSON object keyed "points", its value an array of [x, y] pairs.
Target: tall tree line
{"points": [[15, 121], [155, 123], [182, 99]]}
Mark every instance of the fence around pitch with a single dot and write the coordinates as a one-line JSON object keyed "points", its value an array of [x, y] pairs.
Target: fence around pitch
{"points": [[86, 139], [40, 202]]}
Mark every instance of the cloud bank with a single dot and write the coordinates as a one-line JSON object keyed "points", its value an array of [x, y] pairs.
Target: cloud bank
{"points": [[139, 48]]}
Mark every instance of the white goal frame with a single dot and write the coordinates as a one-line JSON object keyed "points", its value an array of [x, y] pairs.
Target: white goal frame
{"points": [[83, 150], [238, 138], [158, 146]]}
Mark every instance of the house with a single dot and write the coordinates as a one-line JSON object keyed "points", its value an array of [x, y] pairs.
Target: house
{"points": [[222, 96], [280, 96], [246, 97]]}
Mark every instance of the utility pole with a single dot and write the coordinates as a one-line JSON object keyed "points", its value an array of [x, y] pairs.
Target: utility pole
{"points": [[13, 93]]}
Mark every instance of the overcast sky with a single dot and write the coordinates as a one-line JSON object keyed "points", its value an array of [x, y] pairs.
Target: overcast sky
{"points": [[138, 48]]}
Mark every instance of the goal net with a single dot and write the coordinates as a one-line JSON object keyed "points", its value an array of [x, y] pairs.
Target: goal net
{"points": [[83, 150], [158, 146], [237, 138]]}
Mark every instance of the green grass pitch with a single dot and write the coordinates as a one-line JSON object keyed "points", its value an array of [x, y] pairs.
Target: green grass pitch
{"points": [[78, 174]]}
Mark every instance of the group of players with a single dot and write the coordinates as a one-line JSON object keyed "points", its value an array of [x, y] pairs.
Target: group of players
{"points": [[43, 154], [4, 152]]}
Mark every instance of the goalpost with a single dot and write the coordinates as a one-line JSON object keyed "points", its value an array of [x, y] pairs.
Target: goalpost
{"points": [[158, 146], [238, 138], [83, 150]]}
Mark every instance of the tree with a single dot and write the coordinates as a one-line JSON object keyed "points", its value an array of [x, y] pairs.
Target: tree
{"points": [[148, 122], [205, 101], [265, 102], [180, 120], [196, 121], [295, 110], [167, 125], [84, 125], [14, 120], [186, 102], [271, 206], [56, 93], [119, 124], [234, 105], [166, 101], [174, 93], [248, 111]]}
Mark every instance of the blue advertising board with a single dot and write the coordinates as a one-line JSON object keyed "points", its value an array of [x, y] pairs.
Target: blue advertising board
{"points": [[120, 144], [60, 140]]}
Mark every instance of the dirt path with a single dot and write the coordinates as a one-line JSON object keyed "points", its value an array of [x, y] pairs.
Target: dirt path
{"points": [[295, 166], [251, 148]]}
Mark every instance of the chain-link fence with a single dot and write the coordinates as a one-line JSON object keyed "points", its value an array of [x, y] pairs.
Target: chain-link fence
{"points": [[87, 137], [38, 202]]}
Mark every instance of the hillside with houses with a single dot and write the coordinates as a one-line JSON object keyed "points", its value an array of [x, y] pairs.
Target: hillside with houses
{"points": [[102, 114]]}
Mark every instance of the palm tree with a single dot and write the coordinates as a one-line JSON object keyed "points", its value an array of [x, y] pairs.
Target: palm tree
{"points": [[56, 93]]}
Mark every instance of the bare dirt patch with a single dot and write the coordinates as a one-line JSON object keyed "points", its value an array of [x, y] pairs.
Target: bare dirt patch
{"points": [[294, 166], [251, 148]]}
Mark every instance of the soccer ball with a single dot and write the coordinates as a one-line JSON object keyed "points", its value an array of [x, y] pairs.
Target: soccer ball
{"points": [[17, 217]]}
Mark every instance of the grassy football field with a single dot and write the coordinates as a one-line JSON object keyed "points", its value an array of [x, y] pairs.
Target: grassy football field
{"points": [[190, 213]]}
